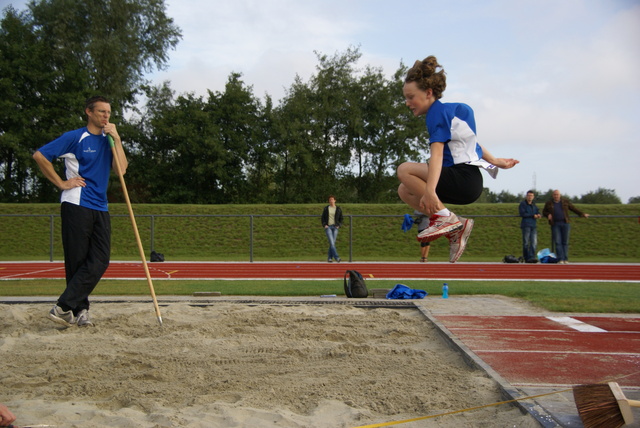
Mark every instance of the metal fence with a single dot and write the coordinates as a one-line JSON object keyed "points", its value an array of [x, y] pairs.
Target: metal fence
{"points": [[354, 223]]}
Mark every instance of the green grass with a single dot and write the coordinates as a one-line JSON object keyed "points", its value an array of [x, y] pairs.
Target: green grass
{"points": [[580, 297], [300, 237]]}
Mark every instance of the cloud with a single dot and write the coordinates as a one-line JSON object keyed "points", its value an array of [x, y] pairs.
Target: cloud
{"points": [[268, 42], [600, 65], [567, 107]]}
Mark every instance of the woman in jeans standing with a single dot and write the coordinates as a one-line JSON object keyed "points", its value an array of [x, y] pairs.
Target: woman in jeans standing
{"points": [[331, 221]]}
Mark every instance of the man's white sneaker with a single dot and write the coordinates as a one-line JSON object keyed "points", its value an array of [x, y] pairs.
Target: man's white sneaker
{"points": [[67, 319], [83, 319], [458, 239], [439, 225]]}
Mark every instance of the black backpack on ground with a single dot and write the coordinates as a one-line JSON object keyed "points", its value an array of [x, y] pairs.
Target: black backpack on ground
{"points": [[510, 259], [354, 286], [157, 257]]}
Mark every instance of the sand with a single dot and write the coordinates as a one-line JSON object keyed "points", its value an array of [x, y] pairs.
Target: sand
{"points": [[284, 363]]}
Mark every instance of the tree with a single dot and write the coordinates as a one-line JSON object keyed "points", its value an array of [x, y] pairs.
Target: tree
{"points": [[548, 195], [335, 119], [114, 42], [344, 132], [197, 151], [389, 135], [295, 166], [261, 159], [55, 55], [237, 115], [31, 111], [634, 200], [601, 196], [504, 196], [164, 148]]}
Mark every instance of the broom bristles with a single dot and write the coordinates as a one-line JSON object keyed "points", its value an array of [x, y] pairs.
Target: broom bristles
{"points": [[597, 406]]}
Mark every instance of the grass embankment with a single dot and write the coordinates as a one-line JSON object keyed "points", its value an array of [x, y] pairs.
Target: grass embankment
{"points": [[202, 236]]}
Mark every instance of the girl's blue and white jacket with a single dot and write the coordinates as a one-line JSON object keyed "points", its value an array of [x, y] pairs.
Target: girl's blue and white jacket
{"points": [[454, 125]]}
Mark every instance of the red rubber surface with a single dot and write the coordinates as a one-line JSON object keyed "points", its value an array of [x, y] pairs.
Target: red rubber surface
{"points": [[533, 350]]}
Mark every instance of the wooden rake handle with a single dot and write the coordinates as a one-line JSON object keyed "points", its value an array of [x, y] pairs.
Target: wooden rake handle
{"points": [[135, 227], [623, 402]]}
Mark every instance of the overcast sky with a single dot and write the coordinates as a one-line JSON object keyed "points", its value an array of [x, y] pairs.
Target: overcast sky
{"points": [[555, 84]]}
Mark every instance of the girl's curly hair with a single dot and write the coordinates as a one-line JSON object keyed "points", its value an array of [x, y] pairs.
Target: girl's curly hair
{"points": [[428, 74]]}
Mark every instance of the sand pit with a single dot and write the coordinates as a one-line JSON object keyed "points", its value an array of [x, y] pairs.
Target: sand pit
{"points": [[232, 364]]}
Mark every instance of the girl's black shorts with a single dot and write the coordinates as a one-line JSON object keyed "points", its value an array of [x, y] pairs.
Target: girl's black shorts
{"points": [[460, 184]]}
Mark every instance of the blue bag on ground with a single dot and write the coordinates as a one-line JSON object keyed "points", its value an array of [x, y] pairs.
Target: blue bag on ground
{"points": [[401, 291], [546, 256]]}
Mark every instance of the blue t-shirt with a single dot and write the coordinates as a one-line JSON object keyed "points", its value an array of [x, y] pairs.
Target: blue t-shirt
{"points": [[88, 156], [454, 125]]}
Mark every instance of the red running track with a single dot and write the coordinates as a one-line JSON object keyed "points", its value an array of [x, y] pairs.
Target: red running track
{"points": [[310, 270], [536, 350]]}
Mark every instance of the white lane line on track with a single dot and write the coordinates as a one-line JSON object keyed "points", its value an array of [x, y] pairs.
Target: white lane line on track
{"points": [[562, 385], [516, 351], [35, 272], [526, 330], [227, 278], [215, 279], [577, 324], [507, 330]]}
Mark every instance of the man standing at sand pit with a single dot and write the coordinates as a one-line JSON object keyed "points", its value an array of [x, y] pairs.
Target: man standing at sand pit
{"points": [[86, 225]]}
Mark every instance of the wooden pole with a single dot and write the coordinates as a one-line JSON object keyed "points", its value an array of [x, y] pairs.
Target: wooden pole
{"points": [[135, 228]]}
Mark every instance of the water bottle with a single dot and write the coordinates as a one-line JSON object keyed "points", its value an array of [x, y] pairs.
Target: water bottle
{"points": [[445, 291]]}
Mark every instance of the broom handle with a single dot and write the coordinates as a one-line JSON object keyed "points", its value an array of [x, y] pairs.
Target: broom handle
{"points": [[615, 389], [135, 228]]}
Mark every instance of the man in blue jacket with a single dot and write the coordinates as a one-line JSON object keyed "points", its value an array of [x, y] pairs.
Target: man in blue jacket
{"points": [[529, 213], [84, 213]]}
